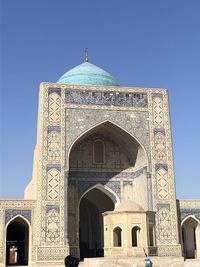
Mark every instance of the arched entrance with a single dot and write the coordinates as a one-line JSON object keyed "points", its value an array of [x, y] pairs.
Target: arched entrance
{"points": [[190, 237], [17, 242], [108, 156], [91, 238]]}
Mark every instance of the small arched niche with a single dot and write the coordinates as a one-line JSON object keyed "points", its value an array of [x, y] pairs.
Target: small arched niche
{"points": [[135, 233], [98, 152], [117, 237]]}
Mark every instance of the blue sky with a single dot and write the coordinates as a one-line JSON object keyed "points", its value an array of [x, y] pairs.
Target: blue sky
{"points": [[141, 43]]}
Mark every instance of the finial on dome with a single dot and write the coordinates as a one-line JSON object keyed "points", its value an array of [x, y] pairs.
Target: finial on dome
{"points": [[86, 55]]}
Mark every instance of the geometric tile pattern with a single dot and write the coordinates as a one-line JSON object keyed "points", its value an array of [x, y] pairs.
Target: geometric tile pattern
{"points": [[54, 147], [53, 179], [106, 98], [170, 250], [54, 108], [160, 147], [158, 111], [106, 175], [9, 214], [162, 183], [164, 199], [52, 226], [51, 253], [49, 224], [164, 224]]}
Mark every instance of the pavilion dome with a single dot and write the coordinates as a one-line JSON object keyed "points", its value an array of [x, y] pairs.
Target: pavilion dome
{"points": [[128, 205], [87, 74]]}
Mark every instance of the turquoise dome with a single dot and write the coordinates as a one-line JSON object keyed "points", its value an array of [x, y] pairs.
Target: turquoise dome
{"points": [[88, 74]]}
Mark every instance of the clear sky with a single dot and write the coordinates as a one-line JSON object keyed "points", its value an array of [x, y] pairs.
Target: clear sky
{"points": [[140, 42]]}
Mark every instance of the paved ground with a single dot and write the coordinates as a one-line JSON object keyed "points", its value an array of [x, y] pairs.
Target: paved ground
{"points": [[187, 263], [192, 263]]}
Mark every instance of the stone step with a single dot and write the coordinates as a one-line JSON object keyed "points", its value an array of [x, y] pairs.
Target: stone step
{"points": [[132, 262]]}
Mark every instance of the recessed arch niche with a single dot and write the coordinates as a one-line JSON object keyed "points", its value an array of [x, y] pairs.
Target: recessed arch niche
{"points": [[17, 240], [121, 155], [117, 145]]}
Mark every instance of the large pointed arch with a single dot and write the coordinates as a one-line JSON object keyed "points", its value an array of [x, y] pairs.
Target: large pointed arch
{"points": [[89, 180], [117, 126]]}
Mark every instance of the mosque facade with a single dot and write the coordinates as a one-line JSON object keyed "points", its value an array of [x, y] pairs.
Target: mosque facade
{"points": [[103, 180]]}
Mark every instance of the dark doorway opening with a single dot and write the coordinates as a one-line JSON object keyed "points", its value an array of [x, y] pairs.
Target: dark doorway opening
{"points": [[135, 236], [17, 242], [117, 237], [91, 232], [189, 238]]}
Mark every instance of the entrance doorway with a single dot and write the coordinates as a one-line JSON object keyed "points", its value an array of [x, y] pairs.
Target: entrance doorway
{"points": [[17, 242], [91, 236], [189, 236]]}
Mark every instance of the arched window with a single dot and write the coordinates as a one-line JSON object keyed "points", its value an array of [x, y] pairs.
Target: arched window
{"points": [[135, 236], [98, 152], [117, 237]]}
